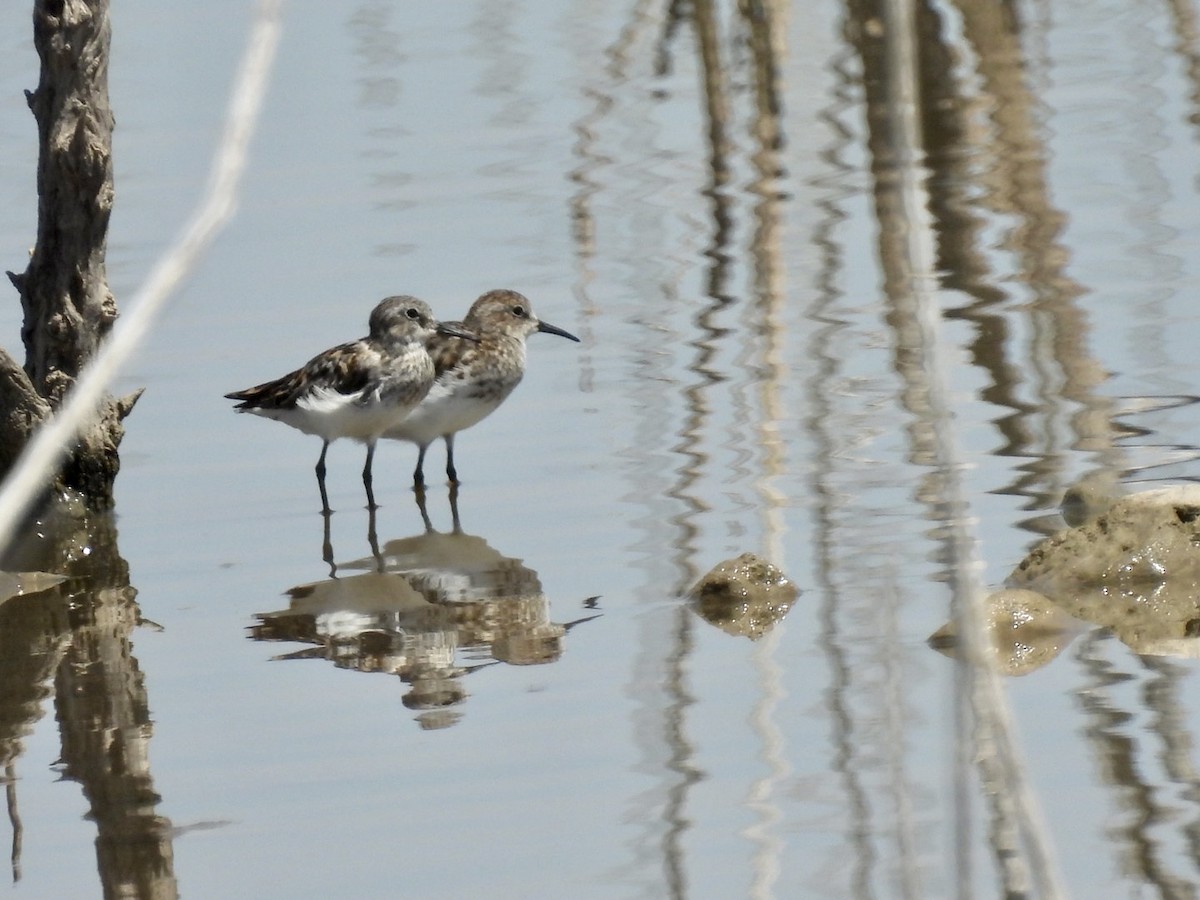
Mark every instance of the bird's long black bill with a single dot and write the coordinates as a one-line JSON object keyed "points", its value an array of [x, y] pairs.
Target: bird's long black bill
{"points": [[455, 330], [547, 328]]}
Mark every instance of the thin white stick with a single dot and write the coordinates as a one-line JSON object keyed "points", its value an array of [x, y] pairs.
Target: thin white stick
{"points": [[45, 451]]}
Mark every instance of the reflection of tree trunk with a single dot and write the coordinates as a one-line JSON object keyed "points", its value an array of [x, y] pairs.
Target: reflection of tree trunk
{"points": [[1012, 160], [716, 108], [105, 724], [33, 637], [14, 818], [80, 633], [64, 292], [764, 26], [1186, 31]]}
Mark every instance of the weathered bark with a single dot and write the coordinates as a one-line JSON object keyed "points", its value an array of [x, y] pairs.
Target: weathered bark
{"points": [[21, 408], [64, 290]]}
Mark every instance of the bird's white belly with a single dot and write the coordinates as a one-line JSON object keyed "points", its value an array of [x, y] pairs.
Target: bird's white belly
{"points": [[331, 415], [443, 411]]}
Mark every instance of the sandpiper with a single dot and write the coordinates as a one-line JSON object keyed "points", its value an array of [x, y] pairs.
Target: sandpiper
{"points": [[472, 379], [360, 389]]}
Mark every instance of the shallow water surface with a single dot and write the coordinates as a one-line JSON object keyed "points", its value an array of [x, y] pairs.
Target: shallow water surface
{"points": [[506, 693]]}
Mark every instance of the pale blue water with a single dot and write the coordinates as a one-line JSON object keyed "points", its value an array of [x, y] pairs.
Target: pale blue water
{"points": [[748, 380]]}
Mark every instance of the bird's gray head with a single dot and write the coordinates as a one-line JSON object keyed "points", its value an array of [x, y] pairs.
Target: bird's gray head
{"points": [[508, 312], [402, 318]]}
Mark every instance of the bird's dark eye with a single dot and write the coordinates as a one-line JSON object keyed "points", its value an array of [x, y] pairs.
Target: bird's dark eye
{"points": [[413, 313], [519, 312]]}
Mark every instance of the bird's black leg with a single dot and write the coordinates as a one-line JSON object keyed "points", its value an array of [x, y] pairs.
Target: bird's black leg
{"points": [[419, 472], [325, 510], [450, 472], [367, 476]]}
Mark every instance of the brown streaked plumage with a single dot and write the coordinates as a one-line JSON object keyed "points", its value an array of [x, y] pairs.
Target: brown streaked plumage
{"points": [[360, 389], [472, 379]]}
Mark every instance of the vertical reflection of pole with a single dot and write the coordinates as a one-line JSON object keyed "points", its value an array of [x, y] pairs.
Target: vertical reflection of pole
{"points": [[586, 176], [1162, 696], [766, 46], [1138, 811], [716, 105], [818, 422], [1012, 180], [764, 21], [679, 699], [914, 263], [909, 254], [379, 50], [762, 792], [680, 760], [696, 420], [658, 683], [1186, 31], [1106, 733]]}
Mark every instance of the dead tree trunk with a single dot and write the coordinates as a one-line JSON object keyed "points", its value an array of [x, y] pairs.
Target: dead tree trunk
{"points": [[64, 290]]}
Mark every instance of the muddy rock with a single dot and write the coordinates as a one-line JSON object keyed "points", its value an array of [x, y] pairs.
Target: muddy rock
{"points": [[744, 596], [1134, 569], [1141, 538], [1025, 631]]}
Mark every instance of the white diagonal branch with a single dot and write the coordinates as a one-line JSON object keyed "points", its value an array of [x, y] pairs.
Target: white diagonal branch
{"points": [[46, 450]]}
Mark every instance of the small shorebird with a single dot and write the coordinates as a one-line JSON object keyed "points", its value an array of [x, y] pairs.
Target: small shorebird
{"points": [[361, 389], [472, 379]]}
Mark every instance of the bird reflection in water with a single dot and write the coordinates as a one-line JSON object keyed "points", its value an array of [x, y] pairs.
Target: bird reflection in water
{"points": [[429, 608]]}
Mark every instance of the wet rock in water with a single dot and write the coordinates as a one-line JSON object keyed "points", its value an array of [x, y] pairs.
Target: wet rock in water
{"points": [[1134, 569], [1141, 538], [744, 596], [1025, 631]]}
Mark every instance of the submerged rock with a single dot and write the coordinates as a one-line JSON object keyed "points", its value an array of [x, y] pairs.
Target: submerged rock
{"points": [[1025, 631], [1134, 569], [1141, 538], [744, 596]]}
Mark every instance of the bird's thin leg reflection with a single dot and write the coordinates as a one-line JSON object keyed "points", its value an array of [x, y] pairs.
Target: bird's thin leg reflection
{"points": [[419, 491], [373, 540], [454, 508], [327, 542]]}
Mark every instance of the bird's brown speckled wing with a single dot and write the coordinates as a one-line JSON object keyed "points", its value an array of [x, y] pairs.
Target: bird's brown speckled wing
{"points": [[347, 369], [449, 352]]}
